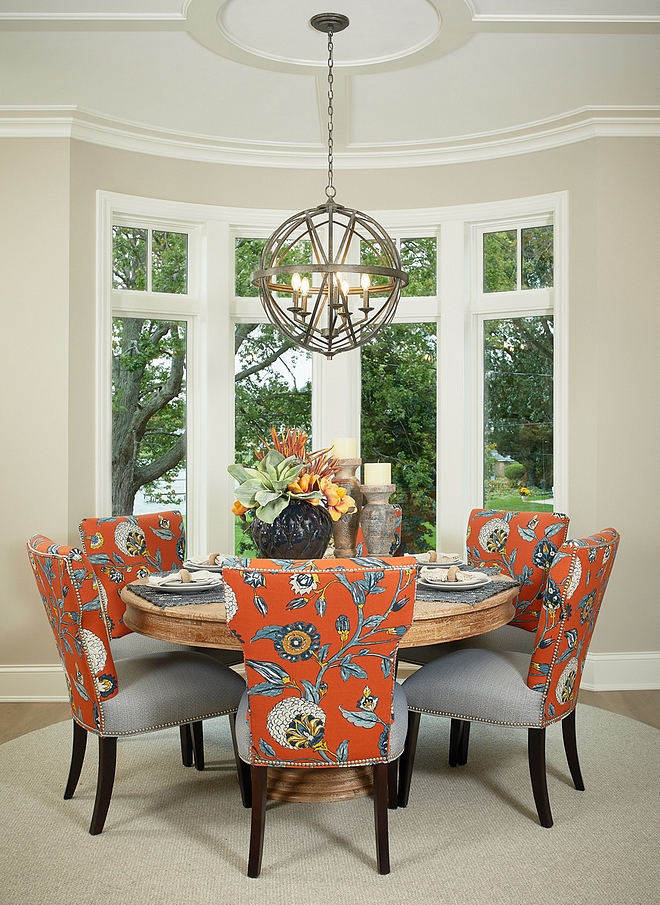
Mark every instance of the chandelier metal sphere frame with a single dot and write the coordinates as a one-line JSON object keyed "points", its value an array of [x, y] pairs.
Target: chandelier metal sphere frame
{"points": [[330, 277]]}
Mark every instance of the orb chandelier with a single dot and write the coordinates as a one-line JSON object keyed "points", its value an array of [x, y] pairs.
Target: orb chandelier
{"points": [[330, 278]]}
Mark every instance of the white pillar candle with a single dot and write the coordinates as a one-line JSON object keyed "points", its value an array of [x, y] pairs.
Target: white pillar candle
{"points": [[345, 447], [377, 473]]}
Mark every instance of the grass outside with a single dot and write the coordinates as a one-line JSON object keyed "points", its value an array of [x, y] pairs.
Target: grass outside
{"points": [[517, 504]]}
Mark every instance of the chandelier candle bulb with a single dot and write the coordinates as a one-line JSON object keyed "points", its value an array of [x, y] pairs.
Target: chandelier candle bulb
{"points": [[344, 447], [376, 473]]}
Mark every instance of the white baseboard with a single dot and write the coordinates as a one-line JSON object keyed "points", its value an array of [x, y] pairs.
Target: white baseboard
{"points": [[33, 683], [637, 671], [602, 672]]}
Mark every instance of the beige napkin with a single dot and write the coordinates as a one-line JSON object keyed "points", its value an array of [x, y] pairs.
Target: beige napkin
{"points": [[199, 575], [447, 558], [218, 559], [438, 576]]}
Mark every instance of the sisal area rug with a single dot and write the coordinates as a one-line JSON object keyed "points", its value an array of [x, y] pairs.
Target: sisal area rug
{"points": [[470, 836]]}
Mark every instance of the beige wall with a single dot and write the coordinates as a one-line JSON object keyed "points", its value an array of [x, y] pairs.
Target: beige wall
{"points": [[614, 197], [34, 250]]}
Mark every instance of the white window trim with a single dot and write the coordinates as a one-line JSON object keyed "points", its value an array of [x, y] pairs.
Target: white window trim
{"points": [[211, 310]]}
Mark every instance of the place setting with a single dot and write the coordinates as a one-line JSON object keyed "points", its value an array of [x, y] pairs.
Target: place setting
{"points": [[446, 577], [184, 586]]}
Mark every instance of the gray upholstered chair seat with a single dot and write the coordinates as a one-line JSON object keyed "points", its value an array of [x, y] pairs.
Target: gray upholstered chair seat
{"points": [[506, 637], [477, 684], [398, 730], [167, 689], [512, 688], [136, 645]]}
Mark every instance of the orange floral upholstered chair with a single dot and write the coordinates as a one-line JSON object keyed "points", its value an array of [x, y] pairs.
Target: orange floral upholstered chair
{"points": [[122, 549], [320, 640], [124, 697], [506, 687], [523, 544]]}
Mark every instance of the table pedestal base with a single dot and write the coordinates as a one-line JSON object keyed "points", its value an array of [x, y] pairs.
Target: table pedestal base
{"points": [[330, 784]]}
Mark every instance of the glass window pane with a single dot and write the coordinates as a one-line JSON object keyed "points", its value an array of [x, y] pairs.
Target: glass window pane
{"points": [[169, 262], [418, 259], [300, 253], [273, 388], [537, 257], [247, 253], [518, 413], [399, 375], [148, 415], [129, 258], [500, 265], [370, 253]]}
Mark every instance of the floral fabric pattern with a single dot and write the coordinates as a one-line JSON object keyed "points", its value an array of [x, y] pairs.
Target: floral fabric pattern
{"points": [[71, 597], [124, 548], [524, 545], [320, 640], [568, 618]]}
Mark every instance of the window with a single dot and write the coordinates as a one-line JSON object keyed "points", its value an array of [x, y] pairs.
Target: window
{"points": [[519, 258], [518, 364], [518, 413], [149, 361], [272, 389], [432, 394], [148, 415], [399, 389], [132, 250]]}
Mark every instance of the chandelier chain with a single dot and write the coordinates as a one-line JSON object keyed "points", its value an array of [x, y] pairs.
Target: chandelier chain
{"points": [[330, 190]]}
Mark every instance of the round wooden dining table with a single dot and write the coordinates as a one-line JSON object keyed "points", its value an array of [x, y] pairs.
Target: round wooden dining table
{"points": [[205, 625]]}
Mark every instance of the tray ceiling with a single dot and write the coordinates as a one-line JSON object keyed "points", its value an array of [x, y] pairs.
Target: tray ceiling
{"points": [[244, 81]]}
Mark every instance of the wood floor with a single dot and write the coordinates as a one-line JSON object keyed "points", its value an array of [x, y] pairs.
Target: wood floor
{"points": [[22, 717]]}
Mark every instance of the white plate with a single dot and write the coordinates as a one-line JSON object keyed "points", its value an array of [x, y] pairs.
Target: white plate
{"points": [[188, 587], [197, 567], [457, 585]]}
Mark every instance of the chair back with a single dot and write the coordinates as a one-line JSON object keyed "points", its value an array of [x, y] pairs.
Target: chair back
{"points": [[124, 548], [576, 585], [320, 640], [70, 595], [524, 545]]}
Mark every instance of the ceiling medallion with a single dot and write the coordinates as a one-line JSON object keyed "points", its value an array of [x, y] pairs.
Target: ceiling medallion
{"points": [[330, 277]]}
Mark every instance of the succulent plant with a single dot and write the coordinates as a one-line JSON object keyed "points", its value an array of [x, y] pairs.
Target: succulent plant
{"points": [[266, 487]]}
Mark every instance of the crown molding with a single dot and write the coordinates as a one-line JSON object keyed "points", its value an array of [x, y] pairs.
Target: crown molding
{"points": [[71, 122]]}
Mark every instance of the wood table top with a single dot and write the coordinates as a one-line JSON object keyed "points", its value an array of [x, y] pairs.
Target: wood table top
{"points": [[205, 625]]}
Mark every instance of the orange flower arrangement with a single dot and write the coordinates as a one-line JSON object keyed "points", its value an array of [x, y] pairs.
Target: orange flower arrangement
{"points": [[267, 490]]}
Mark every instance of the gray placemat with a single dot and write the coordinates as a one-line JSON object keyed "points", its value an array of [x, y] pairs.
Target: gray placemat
{"points": [[165, 598], [470, 597]]}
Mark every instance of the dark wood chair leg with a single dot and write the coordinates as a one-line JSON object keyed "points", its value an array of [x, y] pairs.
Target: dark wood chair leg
{"points": [[570, 747], [258, 824], [77, 758], [197, 732], [242, 769], [464, 742], [536, 757], [392, 784], [459, 738], [380, 818], [186, 745], [104, 784], [407, 759]]}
